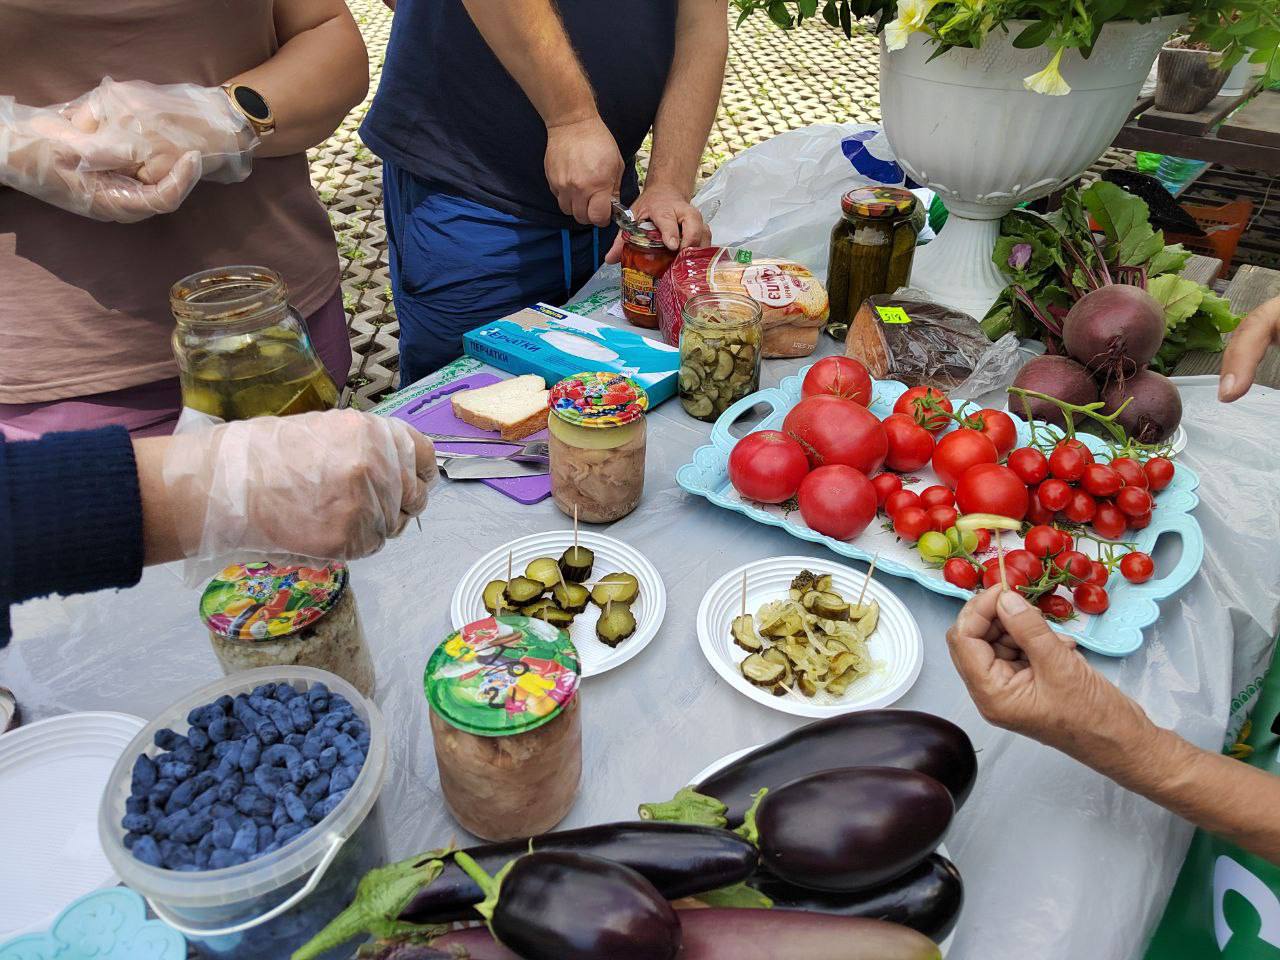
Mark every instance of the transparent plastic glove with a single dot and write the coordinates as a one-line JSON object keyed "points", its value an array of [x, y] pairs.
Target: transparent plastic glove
{"points": [[90, 173], [314, 486], [174, 121]]}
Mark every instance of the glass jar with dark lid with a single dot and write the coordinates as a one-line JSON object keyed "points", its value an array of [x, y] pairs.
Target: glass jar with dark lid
{"points": [[645, 258], [872, 248]]}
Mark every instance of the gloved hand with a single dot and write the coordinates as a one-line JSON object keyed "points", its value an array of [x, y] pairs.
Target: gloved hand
{"points": [[314, 486]]}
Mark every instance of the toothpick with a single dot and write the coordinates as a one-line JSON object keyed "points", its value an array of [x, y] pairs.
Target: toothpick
{"points": [[509, 552], [575, 529], [744, 593], [1004, 584], [870, 572]]}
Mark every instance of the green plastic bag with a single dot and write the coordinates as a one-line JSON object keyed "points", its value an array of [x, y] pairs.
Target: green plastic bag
{"points": [[1226, 903]]}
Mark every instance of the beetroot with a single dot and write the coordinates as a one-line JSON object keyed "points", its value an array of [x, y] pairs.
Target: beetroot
{"points": [[1155, 410], [1059, 377], [1114, 331]]}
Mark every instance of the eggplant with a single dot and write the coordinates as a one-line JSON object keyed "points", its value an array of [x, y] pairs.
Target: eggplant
{"points": [[403, 951], [848, 830], [927, 898], [871, 738], [679, 859], [571, 906], [757, 935]]}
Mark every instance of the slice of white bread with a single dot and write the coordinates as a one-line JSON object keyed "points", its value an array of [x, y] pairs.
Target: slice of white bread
{"points": [[516, 408]]}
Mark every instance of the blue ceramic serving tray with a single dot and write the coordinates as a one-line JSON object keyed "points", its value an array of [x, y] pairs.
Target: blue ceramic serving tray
{"points": [[104, 925], [1116, 633]]}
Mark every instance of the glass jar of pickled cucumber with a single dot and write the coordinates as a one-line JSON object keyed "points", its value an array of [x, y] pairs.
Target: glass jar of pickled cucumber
{"points": [[719, 352], [872, 248], [596, 436], [506, 725], [242, 350]]}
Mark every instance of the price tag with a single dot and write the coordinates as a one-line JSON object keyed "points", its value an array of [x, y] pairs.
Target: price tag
{"points": [[893, 315]]}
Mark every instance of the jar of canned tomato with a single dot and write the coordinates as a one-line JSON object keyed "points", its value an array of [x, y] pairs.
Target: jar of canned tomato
{"points": [[645, 258]]}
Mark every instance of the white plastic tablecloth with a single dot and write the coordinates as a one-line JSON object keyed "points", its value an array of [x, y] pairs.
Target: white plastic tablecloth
{"points": [[1058, 863]]}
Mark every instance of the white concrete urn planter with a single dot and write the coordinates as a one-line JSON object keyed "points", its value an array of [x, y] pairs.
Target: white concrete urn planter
{"points": [[965, 126]]}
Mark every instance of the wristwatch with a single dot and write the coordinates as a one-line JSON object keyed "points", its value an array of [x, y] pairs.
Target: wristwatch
{"points": [[252, 105]]}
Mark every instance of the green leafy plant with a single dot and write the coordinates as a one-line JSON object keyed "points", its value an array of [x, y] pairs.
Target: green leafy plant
{"points": [[1053, 261]]}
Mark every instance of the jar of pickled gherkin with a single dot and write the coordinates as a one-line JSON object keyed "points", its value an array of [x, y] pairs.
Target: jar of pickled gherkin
{"points": [[719, 352], [596, 439], [242, 349], [872, 248]]}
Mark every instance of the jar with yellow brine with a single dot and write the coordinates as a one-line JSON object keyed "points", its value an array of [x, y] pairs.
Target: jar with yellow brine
{"points": [[242, 349], [506, 725], [872, 249], [597, 444], [719, 352]]}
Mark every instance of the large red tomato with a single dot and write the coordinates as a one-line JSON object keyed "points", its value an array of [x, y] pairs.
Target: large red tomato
{"points": [[910, 445], [838, 501], [991, 488], [841, 377], [835, 431], [998, 427], [767, 466], [960, 450]]}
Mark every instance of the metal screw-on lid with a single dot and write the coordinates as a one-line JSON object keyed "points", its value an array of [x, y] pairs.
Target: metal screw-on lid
{"points": [[601, 399], [262, 601], [873, 203]]}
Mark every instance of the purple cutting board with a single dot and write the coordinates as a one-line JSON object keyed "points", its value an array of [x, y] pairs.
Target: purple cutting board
{"points": [[434, 414]]}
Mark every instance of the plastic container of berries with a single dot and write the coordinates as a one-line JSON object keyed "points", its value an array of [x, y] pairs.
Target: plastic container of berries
{"points": [[249, 848]]}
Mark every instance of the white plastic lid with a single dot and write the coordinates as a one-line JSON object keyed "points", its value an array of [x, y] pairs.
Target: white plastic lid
{"points": [[52, 774]]}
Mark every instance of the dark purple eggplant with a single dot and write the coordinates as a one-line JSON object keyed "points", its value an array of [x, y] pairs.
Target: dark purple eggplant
{"points": [[679, 859], [571, 906], [849, 830], [871, 738], [927, 898]]}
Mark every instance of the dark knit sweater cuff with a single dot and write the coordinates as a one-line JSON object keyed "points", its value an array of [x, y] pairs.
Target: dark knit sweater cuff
{"points": [[75, 513]]}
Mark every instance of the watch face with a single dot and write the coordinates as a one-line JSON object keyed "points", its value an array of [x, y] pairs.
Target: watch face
{"points": [[251, 102]]}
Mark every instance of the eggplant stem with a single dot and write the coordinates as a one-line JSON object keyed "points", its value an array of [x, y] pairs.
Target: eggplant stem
{"points": [[687, 806], [491, 887], [749, 829], [738, 896]]}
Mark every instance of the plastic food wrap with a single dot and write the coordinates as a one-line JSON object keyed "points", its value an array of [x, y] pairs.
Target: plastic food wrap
{"points": [[923, 344], [792, 300]]}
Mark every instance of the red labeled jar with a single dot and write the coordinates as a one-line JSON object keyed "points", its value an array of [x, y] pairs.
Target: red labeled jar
{"points": [[645, 258]]}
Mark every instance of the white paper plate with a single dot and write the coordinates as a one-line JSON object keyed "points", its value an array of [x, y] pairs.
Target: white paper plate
{"points": [[896, 644], [718, 765], [612, 556], [1178, 442], [52, 774]]}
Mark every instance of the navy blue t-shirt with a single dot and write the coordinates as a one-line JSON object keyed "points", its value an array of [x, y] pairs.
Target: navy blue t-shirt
{"points": [[447, 110]]}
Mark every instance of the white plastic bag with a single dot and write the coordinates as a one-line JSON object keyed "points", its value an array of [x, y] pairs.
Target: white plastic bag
{"points": [[780, 198]]}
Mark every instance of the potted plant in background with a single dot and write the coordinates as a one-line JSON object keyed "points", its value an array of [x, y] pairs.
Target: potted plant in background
{"points": [[992, 103], [1188, 76]]}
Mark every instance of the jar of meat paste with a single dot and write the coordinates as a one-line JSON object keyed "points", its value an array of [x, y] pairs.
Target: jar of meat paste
{"points": [[597, 445], [263, 615], [507, 725], [645, 258]]}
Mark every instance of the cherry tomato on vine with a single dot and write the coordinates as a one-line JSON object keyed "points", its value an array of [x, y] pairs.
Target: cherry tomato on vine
{"points": [[960, 450], [1038, 513], [1140, 523], [984, 541], [998, 427], [1080, 508], [1137, 567], [901, 500], [1090, 598], [1159, 472], [1056, 607], [910, 523], [885, 484], [1075, 563], [909, 445], [1043, 541], [937, 496], [1100, 480], [1134, 501], [1098, 574], [1025, 561], [1013, 577], [1054, 495], [1029, 464], [1079, 446], [961, 573], [1130, 471], [942, 517], [913, 404], [1068, 542], [1067, 463], [1109, 521]]}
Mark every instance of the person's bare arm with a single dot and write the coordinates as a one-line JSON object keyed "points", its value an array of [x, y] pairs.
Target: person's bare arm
{"points": [[583, 165], [319, 73], [1246, 348], [1026, 678]]}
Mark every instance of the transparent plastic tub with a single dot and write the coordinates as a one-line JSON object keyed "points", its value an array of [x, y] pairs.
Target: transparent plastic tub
{"points": [[266, 908]]}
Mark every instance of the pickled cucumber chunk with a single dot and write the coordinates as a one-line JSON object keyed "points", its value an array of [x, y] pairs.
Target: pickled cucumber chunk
{"points": [[545, 570], [744, 633], [494, 596], [523, 590], [576, 564], [572, 597], [616, 624], [617, 587]]}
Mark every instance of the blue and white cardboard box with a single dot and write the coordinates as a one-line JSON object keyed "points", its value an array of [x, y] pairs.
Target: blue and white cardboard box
{"points": [[556, 344]]}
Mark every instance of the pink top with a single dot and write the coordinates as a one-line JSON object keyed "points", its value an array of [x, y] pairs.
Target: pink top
{"points": [[84, 306]]}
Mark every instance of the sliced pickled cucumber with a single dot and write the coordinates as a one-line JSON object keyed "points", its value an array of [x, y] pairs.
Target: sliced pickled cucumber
{"points": [[536, 608], [494, 596], [868, 622], [523, 590], [571, 596], [760, 671], [724, 365], [744, 633], [806, 684], [556, 616], [545, 570], [617, 587], [830, 606], [576, 563], [615, 624]]}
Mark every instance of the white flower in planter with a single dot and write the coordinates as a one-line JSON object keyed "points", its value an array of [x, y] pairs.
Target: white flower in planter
{"points": [[911, 17], [1049, 81]]}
